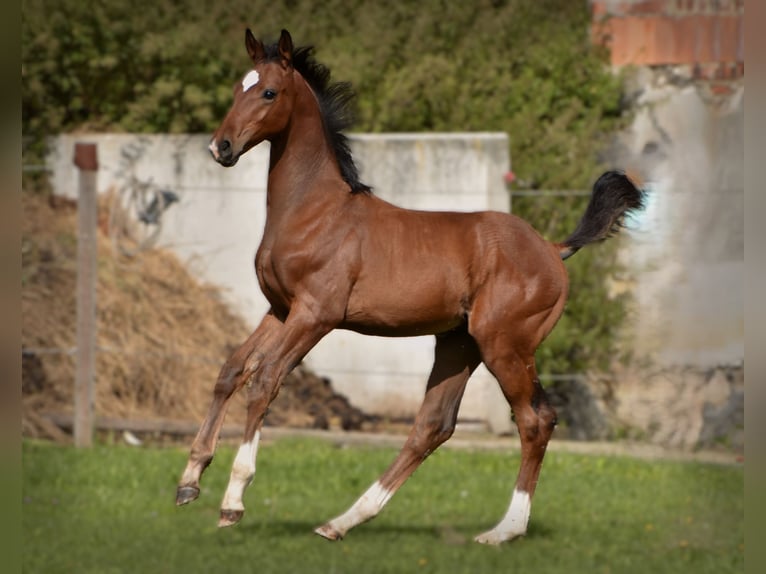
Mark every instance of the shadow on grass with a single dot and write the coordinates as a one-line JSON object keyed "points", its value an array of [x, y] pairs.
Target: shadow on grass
{"points": [[448, 533]]}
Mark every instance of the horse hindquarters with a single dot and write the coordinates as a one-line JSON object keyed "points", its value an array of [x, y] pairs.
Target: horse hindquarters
{"points": [[508, 330]]}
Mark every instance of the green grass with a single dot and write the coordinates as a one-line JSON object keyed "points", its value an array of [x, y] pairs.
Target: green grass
{"points": [[111, 509]]}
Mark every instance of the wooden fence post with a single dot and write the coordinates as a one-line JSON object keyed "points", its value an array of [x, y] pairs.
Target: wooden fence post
{"points": [[86, 159]]}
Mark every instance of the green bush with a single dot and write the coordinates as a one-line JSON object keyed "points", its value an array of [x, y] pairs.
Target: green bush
{"points": [[521, 67]]}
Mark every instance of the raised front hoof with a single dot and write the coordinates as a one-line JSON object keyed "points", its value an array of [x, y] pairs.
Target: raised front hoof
{"points": [[186, 494], [495, 538], [328, 531], [229, 517]]}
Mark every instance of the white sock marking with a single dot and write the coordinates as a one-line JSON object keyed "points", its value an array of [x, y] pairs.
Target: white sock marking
{"points": [[514, 523], [250, 79], [517, 517], [242, 472], [366, 507]]}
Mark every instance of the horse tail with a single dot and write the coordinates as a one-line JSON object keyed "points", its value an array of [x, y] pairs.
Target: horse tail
{"points": [[614, 195]]}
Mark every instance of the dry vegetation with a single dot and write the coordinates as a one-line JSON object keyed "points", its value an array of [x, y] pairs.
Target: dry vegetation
{"points": [[162, 335]]}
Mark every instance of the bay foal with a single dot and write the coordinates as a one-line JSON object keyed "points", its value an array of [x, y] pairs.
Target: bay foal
{"points": [[335, 256]]}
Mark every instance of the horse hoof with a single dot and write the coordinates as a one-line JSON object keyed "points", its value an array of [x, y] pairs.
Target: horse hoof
{"points": [[488, 538], [328, 532], [229, 517], [186, 494], [495, 538]]}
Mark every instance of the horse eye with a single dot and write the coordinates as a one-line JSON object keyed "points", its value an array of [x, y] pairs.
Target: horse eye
{"points": [[269, 94]]}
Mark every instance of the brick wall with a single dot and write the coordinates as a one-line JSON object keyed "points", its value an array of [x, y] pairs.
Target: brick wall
{"points": [[707, 35]]}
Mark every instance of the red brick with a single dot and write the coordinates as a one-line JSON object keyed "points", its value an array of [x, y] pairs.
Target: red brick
{"points": [[718, 72], [701, 7], [597, 10], [703, 31], [657, 40], [628, 39], [601, 8], [720, 89], [671, 43], [729, 38], [646, 7], [688, 38], [728, 6], [706, 71], [682, 6]]}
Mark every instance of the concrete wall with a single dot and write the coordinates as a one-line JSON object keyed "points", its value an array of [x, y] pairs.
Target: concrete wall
{"points": [[687, 141], [217, 225], [686, 268], [688, 256]]}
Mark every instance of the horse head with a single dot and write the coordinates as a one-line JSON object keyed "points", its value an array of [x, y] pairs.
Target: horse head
{"points": [[263, 100]]}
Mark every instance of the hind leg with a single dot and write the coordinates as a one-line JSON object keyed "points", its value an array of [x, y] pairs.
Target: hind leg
{"points": [[509, 320], [234, 373], [536, 420], [456, 357]]}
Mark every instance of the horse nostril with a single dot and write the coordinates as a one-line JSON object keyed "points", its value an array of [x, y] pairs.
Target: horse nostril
{"points": [[225, 146]]}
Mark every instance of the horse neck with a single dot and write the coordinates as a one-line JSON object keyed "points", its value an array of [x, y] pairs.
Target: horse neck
{"points": [[303, 169]]}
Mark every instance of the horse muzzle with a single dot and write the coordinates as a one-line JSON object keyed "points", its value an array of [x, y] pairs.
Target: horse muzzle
{"points": [[223, 152]]}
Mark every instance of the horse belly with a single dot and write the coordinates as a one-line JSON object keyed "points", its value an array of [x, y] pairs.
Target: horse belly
{"points": [[392, 311], [405, 329]]}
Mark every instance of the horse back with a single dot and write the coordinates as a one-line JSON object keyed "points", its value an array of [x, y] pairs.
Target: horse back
{"points": [[419, 272]]}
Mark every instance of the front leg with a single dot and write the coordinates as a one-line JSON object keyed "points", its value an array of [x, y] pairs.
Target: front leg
{"points": [[302, 330], [234, 373]]}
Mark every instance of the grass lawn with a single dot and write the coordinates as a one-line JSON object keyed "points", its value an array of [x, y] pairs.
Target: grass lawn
{"points": [[111, 509]]}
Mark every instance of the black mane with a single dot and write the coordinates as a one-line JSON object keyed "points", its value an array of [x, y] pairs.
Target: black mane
{"points": [[336, 106]]}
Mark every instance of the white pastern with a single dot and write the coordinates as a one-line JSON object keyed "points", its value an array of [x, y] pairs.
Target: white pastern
{"points": [[250, 79], [517, 517], [242, 472], [368, 506], [513, 524]]}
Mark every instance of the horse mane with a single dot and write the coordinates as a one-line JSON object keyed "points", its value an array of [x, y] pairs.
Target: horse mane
{"points": [[336, 101]]}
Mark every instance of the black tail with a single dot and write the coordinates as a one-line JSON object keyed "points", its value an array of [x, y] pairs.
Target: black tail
{"points": [[614, 195]]}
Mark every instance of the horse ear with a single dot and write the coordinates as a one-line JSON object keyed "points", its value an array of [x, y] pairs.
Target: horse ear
{"points": [[254, 47], [286, 48]]}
